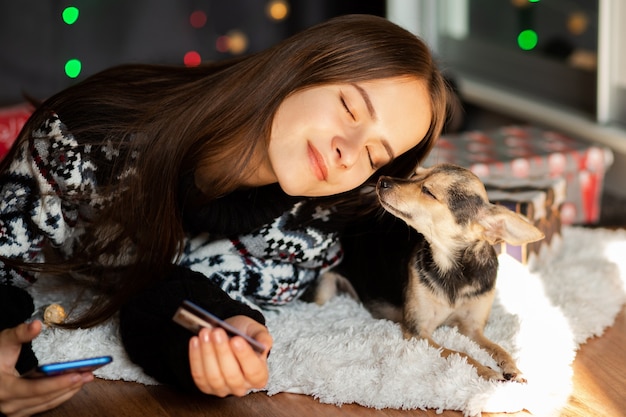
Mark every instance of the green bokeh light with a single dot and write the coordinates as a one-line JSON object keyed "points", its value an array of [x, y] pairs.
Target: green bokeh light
{"points": [[73, 68], [70, 15], [527, 39]]}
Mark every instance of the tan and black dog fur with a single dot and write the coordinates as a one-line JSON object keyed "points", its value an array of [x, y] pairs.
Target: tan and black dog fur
{"points": [[443, 274]]}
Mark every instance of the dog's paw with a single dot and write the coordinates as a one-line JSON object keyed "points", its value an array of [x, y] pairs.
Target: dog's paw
{"points": [[511, 373], [493, 375], [489, 374], [515, 376]]}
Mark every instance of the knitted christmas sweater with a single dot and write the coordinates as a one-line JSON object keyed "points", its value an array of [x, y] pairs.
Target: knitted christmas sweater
{"points": [[251, 250]]}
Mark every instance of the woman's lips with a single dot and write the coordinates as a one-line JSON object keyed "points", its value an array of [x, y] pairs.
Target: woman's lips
{"points": [[317, 163]]}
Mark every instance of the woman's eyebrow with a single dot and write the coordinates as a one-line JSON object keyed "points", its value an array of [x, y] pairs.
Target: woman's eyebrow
{"points": [[366, 98]]}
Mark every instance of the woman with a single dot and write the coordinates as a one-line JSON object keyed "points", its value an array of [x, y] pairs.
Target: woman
{"points": [[227, 184]]}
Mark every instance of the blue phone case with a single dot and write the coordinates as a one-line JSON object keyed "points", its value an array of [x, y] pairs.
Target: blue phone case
{"points": [[58, 368]]}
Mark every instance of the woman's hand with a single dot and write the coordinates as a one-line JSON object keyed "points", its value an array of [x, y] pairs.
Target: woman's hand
{"points": [[221, 366], [25, 397]]}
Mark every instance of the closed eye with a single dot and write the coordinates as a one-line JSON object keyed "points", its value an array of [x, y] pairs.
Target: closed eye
{"points": [[373, 165], [427, 192], [369, 157], [345, 106]]}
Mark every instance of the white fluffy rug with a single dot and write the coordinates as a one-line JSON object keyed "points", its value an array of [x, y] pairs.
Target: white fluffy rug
{"points": [[339, 354]]}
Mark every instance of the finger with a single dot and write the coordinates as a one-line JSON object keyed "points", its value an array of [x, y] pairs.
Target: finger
{"points": [[196, 364], [25, 394], [266, 339], [54, 402], [11, 341], [49, 386], [253, 366], [228, 363], [205, 368], [27, 407], [23, 333], [253, 329]]}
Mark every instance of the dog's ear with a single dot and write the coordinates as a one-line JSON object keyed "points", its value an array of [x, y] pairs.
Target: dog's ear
{"points": [[501, 224]]}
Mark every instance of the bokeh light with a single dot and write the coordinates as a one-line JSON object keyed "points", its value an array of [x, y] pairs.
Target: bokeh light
{"points": [[221, 44], [198, 19], [73, 68], [277, 9], [523, 3], [192, 59], [70, 15], [236, 42], [577, 23], [527, 39]]}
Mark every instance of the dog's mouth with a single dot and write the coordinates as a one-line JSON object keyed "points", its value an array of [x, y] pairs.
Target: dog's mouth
{"points": [[385, 191]]}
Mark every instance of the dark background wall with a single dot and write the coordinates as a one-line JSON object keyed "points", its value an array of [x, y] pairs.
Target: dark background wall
{"points": [[36, 43]]}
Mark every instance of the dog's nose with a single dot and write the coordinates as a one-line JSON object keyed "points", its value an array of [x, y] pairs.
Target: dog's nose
{"points": [[383, 182]]}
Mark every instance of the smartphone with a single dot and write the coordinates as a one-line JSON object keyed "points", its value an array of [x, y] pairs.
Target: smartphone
{"points": [[59, 368], [193, 317]]}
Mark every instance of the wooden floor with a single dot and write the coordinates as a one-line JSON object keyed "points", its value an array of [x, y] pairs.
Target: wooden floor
{"points": [[599, 390]]}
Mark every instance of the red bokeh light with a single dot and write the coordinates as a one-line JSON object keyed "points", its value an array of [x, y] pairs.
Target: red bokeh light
{"points": [[198, 19], [222, 43], [192, 59]]}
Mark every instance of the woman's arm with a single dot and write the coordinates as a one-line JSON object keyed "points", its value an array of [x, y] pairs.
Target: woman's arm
{"points": [[162, 347]]}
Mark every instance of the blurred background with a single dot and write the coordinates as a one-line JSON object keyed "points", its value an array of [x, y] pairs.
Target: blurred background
{"points": [[50, 44], [548, 48]]}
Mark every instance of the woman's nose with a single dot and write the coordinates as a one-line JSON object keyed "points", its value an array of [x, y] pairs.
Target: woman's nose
{"points": [[347, 151]]}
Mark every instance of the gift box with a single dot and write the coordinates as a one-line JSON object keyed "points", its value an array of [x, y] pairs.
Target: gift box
{"points": [[530, 152], [540, 201], [12, 120]]}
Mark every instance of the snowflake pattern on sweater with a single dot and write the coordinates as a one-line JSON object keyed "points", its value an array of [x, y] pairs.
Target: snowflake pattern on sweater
{"points": [[269, 266], [48, 166]]}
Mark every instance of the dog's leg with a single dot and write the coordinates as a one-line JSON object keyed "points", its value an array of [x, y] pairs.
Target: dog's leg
{"points": [[331, 284], [501, 356], [425, 333], [424, 312], [471, 320]]}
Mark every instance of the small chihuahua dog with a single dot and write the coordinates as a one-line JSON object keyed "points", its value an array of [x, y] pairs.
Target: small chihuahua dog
{"points": [[440, 271]]}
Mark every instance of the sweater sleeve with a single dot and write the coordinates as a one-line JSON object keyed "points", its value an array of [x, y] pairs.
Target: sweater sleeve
{"points": [[159, 345], [46, 168]]}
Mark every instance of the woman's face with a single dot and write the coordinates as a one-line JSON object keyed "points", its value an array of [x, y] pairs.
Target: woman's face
{"points": [[330, 139]]}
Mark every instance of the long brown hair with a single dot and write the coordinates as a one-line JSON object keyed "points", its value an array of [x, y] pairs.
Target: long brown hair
{"points": [[206, 122]]}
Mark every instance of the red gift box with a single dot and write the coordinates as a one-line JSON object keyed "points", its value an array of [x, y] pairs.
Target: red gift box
{"points": [[533, 153], [12, 120]]}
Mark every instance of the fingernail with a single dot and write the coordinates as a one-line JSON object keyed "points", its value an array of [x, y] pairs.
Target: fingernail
{"points": [[195, 342], [205, 336], [219, 336]]}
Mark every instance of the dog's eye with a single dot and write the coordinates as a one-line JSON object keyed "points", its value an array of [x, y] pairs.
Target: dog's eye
{"points": [[427, 192]]}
